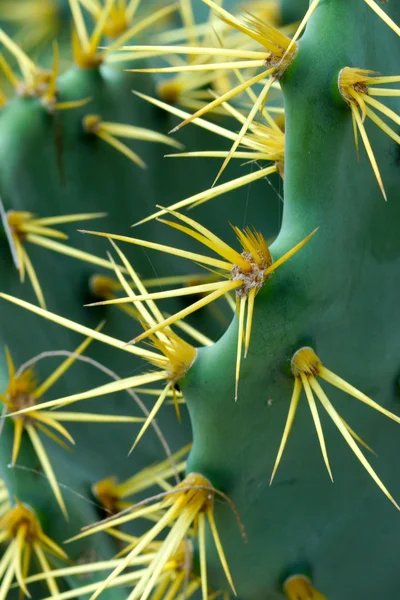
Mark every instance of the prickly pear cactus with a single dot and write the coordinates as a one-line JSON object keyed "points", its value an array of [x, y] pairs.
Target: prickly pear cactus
{"points": [[207, 427]]}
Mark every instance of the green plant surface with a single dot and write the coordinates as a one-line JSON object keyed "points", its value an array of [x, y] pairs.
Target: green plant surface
{"points": [[337, 295]]}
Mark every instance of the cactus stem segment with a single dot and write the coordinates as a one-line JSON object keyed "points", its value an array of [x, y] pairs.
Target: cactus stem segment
{"points": [[109, 133], [306, 368], [299, 587], [247, 271], [356, 87], [25, 227], [184, 508], [21, 528]]}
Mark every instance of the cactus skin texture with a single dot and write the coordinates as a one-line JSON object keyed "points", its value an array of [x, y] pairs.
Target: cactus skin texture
{"points": [[337, 296]]}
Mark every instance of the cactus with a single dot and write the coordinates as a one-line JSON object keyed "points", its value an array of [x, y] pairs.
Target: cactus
{"points": [[247, 509]]}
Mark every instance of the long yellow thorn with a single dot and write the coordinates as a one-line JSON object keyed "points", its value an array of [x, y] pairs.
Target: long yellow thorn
{"points": [[148, 537], [162, 248], [241, 313], [18, 430], [369, 150], [383, 109], [86, 331], [225, 97], [220, 550], [233, 53], [317, 422], [289, 423], [62, 219], [249, 321], [202, 551], [123, 148], [47, 468], [33, 277], [67, 250], [80, 25], [219, 245], [51, 582], [151, 416], [103, 390], [65, 365], [341, 384], [381, 13], [250, 118], [230, 285], [348, 438], [302, 25], [213, 192], [243, 64], [186, 291], [79, 417], [289, 254]]}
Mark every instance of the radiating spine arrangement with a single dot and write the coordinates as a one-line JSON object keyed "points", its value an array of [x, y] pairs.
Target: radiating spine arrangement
{"points": [[155, 438]]}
